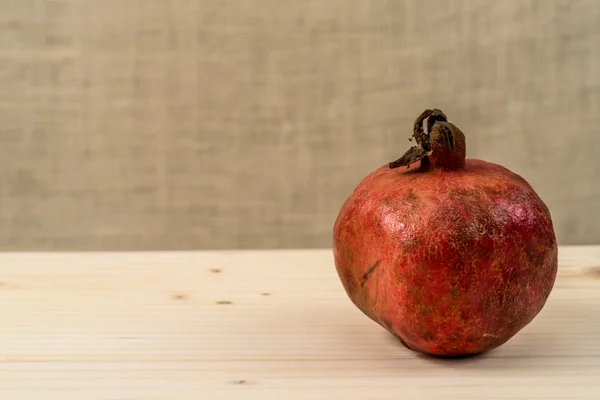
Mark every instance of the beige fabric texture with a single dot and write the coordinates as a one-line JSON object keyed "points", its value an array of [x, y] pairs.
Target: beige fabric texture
{"points": [[212, 124]]}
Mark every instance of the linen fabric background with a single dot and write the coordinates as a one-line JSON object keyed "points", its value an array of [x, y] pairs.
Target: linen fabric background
{"points": [[213, 124]]}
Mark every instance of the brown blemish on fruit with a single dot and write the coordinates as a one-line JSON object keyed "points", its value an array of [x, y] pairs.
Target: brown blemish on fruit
{"points": [[412, 197], [222, 302], [215, 270], [427, 336], [454, 292], [367, 275], [426, 310], [180, 296]]}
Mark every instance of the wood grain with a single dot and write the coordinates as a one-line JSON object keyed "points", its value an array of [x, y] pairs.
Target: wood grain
{"points": [[261, 325]]}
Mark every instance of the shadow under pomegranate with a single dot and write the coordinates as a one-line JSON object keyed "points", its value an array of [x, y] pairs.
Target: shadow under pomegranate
{"points": [[432, 357]]}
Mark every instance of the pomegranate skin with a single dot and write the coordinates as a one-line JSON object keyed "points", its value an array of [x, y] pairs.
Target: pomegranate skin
{"points": [[452, 262]]}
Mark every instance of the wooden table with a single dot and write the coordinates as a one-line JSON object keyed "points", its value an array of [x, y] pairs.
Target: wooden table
{"points": [[261, 325]]}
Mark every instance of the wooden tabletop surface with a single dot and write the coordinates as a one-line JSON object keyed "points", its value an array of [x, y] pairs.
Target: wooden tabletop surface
{"points": [[261, 325]]}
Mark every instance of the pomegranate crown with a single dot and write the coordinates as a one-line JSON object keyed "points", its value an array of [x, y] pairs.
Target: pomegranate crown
{"points": [[440, 144]]}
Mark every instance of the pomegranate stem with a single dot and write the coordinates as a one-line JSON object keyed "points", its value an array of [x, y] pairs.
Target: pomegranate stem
{"points": [[440, 144]]}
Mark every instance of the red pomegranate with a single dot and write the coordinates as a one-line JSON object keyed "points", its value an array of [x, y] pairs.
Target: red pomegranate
{"points": [[453, 256]]}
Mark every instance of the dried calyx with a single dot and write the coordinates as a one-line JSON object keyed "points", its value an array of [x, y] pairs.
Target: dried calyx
{"points": [[440, 144]]}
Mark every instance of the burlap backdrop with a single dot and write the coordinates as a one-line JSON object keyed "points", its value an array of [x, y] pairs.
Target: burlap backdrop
{"points": [[235, 124]]}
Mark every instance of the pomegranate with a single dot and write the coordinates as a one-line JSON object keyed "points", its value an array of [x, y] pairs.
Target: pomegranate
{"points": [[453, 256]]}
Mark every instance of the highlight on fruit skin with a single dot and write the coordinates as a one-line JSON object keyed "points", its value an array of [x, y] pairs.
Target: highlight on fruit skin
{"points": [[453, 256]]}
